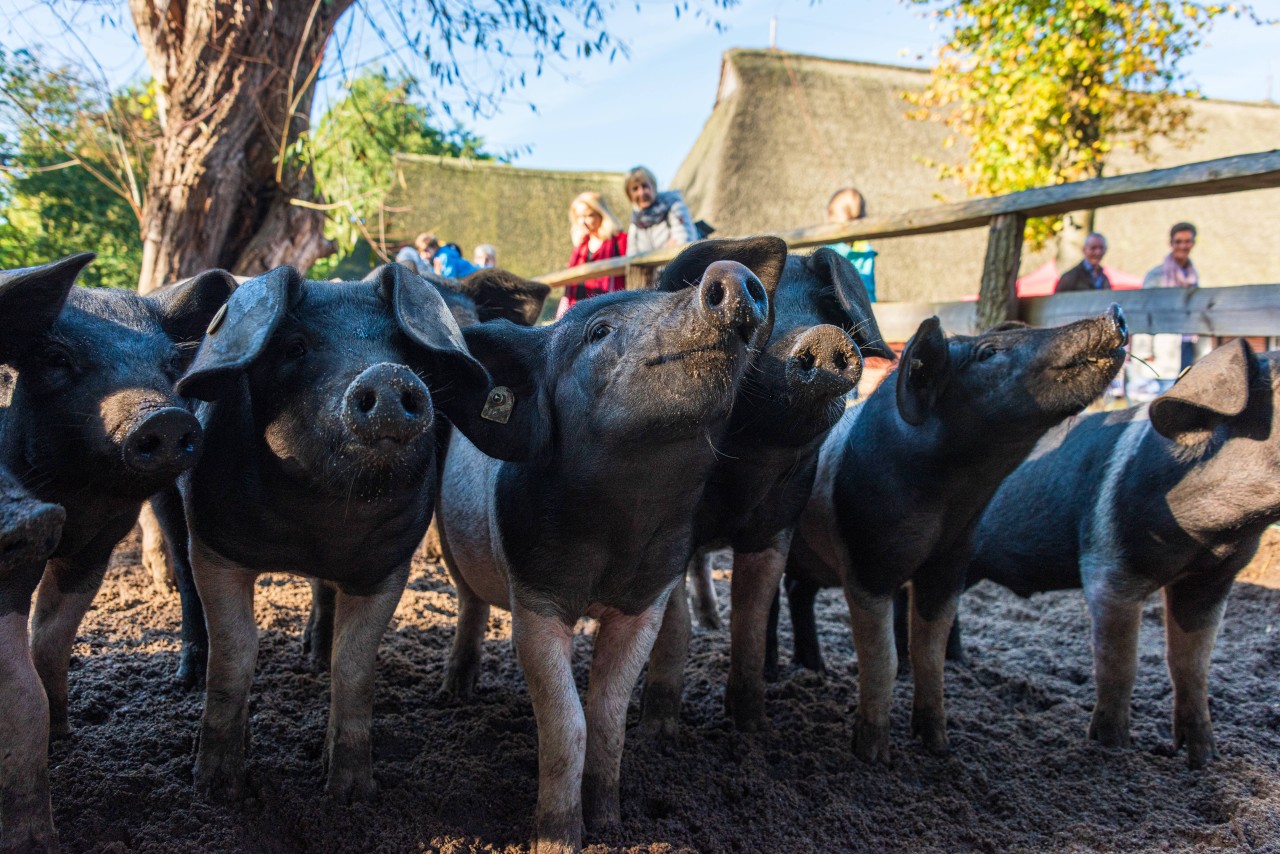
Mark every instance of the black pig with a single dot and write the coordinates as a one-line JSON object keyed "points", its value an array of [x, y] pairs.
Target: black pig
{"points": [[320, 460], [622, 402], [29, 531], [759, 486], [94, 425], [1174, 497], [903, 478]]}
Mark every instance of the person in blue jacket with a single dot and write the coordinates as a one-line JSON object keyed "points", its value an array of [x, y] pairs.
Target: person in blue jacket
{"points": [[448, 262], [847, 205]]}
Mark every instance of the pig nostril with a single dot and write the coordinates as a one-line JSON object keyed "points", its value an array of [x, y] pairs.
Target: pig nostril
{"points": [[840, 361], [715, 294], [148, 444], [187, 444], [366, 401], [806, 360], [755, 289], [411, 403]]}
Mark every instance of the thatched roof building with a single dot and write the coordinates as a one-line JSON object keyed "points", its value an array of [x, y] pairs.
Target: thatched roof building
{"points": [[787, 130], [523, 212]]}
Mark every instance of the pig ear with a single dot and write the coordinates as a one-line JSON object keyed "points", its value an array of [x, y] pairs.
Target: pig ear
{"points": [[31, 299], [829, 266], [499, 294], [507, 419], [425, 320], [239, 332], [187, 308], [1211, 391], [922, 372], [764, 256]]}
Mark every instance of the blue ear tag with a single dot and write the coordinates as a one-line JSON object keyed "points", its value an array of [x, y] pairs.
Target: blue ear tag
{"points": [[498, 405]]}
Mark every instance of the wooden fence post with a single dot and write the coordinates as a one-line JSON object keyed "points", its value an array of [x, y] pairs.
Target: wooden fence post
{"points": [[998, 297], [640, 276]]}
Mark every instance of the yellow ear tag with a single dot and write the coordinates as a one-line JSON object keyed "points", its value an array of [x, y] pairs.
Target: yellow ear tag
{"points": [[216, 323]]}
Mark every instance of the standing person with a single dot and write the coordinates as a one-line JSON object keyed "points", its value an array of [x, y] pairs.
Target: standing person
{"points": [[485, 255], [596, 235], [421, 253], [1168, 353], [845, 206], [658, 220], [1088, 275]]}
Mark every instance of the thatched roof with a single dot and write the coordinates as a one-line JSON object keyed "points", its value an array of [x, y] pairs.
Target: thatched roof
{"points": [[523, 212], [787, 130]]}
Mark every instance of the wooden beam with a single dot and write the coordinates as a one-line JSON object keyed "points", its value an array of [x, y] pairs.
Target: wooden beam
{"points": [[1210, 177], [1239, 310], [997, 296], [898, 321]]}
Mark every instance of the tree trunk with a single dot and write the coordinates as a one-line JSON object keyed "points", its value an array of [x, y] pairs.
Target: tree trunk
{"points": [[998, 297], [235, 80]]}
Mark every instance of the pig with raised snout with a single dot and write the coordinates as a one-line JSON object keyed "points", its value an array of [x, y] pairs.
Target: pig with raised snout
{"points": [[1172, 496], [485, 295], [29, 531], [93, 424], [621, 404], [903, 478], [320, 460], [793, 395]]}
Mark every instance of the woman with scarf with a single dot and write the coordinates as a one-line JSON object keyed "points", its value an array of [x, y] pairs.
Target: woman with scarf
{"points": [[658, 219], [596, 235]]}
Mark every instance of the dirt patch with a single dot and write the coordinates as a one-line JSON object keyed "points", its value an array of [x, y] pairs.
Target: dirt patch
{"points": [[463, 777]]}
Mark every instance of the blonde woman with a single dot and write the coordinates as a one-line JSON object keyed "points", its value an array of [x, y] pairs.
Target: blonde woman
{"points": [[596, 235], [657, 219]]}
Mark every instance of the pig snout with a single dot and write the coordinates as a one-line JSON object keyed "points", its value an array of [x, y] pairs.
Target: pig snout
{"points": [[1118, 323], [732, 298], [33, 533], [387, 402], [824, 361], [165, 440]]}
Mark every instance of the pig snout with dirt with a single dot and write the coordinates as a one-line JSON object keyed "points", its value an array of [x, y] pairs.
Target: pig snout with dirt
{"points": [[903, 478], [1173, 496], [622, 402], [93, 424], [320, 460], [793, 395], [29, 531]]}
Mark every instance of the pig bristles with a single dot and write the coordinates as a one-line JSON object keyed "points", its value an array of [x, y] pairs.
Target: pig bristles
{"points": [[1150, 367]]}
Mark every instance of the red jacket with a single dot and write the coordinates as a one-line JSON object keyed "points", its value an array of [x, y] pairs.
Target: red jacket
{"points": [[614, 247]]}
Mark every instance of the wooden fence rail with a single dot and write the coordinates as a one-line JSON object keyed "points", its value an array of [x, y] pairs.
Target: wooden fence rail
{"points": [[1220, 311]]}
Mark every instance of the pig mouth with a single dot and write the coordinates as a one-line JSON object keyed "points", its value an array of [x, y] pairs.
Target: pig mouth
{"points": [[681, 355], [1105, 360]]}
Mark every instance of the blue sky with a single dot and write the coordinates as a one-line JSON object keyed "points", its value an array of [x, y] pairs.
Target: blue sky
{"points": [[649, 108]]}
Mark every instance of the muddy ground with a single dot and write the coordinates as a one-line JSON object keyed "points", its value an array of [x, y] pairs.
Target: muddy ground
{"points": [[463, 777]]}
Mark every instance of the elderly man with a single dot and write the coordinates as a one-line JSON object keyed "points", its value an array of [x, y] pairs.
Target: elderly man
{"points": [[1088, 274]]}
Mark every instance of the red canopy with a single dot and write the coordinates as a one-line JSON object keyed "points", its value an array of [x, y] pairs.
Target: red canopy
{"points": [[1042, 281]]}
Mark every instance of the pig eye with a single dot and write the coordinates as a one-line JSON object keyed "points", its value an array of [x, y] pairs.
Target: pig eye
{"points": [[986, 352], [57, 359], [295, 348], [598, 332]]}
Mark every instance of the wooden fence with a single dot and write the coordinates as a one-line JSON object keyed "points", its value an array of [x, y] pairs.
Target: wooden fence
{"points": [[1246, 310]]}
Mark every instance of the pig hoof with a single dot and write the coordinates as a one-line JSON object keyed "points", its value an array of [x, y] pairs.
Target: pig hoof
{"points": [[457, 687], [349, 786], [191, 668], [871, 742], [601, 804], [1109, 730], [709, 618], [1197, 735], [747, 711], [657, 729], [932, 729], [221, 781], [30, 840], [558, 833]]}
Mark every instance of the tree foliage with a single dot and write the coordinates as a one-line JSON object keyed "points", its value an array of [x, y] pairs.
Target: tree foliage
{"points": [[350, 149], [72, 165], [1043, 90]]}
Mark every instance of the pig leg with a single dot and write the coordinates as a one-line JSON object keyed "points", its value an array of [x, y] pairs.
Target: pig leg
{"points": [[463, 669], [1192, 615], [622, 644], [63, 598], [544, 644], [872, 619], [227, 591], [664, 683], [1115, 619], [771, 638], [359, 625], [317, 637], [933, 608], [26, 820], [155, 557], [755, 582], [807, 650], [705, 604], [194, 657]]}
